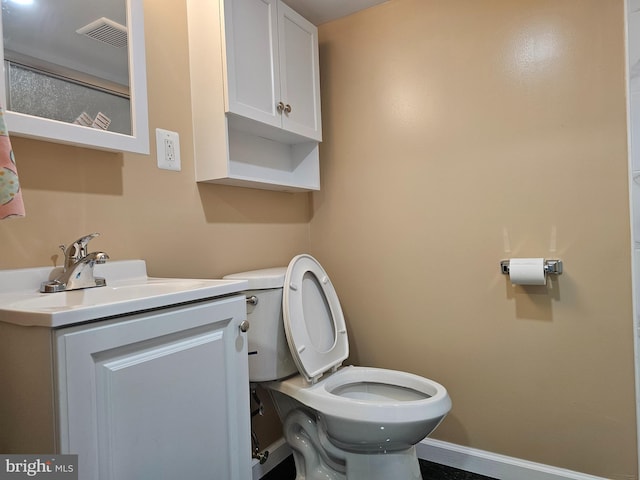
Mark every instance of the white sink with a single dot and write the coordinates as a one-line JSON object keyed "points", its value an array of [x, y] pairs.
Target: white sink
{"points": [[128, 290]]}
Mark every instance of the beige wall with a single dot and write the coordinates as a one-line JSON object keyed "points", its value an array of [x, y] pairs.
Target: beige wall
{"points": [[459, 133], [181, 228]]}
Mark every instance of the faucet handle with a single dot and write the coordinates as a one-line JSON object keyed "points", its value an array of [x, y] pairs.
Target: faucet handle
{"points": [[77, 249], [83, 241]]}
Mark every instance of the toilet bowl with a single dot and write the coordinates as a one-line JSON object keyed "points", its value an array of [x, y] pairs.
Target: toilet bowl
{"points": [[341, 422], [371, 409]]}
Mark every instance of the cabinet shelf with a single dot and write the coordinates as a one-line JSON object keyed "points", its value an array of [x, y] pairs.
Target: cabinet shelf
{"points": [[267, 163]]}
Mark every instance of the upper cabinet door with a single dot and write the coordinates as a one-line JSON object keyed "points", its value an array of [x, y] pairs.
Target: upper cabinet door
{"points": [[272, 70], [299, 74], [253, 76]]}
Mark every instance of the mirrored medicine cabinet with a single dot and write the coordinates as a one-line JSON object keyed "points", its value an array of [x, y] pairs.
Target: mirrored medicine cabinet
{"points": [[75, 73]]}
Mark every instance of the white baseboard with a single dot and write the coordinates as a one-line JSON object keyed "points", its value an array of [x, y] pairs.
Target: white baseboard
{"points": [[278, 452], [465, 458], [492, 464]]}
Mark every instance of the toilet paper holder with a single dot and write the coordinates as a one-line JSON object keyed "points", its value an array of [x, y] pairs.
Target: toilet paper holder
{"points": [[553, 267]]}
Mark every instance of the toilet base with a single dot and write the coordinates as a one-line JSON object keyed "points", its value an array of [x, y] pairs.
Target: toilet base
{"points": [[383, 466], [317, 459]]}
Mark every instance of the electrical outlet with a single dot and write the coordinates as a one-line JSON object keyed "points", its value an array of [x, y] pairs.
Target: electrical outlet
{"points": [[168, 149]]}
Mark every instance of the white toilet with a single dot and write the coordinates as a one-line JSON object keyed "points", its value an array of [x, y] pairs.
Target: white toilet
{"points": [[341, 422]]}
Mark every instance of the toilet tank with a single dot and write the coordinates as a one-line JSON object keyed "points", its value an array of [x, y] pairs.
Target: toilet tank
{"points": [[269, 356]]}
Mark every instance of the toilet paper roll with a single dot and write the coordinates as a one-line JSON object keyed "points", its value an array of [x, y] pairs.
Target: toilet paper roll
{"points": [[527, 271]]}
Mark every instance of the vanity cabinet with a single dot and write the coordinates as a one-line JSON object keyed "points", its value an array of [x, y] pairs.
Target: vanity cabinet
{"points": [[257, 124], [157, 394]]}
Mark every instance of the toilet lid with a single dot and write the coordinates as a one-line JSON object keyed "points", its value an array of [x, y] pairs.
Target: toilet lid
{"points": [[313, 319]]}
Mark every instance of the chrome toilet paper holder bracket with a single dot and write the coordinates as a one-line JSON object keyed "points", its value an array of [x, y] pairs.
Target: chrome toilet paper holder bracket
{"points": [[551, 267]]}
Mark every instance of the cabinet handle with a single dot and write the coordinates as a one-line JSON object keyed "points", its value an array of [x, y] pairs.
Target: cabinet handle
{"points": [[287, 108], [244, 326]]}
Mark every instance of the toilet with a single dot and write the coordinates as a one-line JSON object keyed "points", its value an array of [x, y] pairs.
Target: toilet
{"points": [[340, 422]]}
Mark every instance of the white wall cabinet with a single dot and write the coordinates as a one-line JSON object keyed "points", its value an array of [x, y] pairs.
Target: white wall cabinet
{"points": [[160, 394], [258, 124], [272, 66]]}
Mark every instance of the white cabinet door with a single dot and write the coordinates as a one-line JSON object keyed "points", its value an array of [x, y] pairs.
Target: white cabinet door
{"points": [[253, 75], [299, 73], [160, 395], [272, 59]]}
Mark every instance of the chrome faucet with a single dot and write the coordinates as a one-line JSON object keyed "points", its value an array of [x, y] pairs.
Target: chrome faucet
{"points": [[78, 268]]}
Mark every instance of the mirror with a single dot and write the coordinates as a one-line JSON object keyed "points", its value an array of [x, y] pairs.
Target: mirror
{"points": [[74, 72]]}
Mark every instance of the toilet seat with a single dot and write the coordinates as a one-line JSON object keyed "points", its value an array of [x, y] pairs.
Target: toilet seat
{"points": [[313, 320], [425, 398]]}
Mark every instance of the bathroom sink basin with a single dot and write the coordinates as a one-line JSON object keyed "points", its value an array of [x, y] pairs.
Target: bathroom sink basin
{"points": [[128, 290]]}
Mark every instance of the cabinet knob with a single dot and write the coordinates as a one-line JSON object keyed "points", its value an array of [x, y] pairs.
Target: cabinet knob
{"points": [[252, 300], [244, 326], [281, 107]]}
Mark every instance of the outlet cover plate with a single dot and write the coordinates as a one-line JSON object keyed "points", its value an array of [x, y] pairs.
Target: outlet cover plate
{"points": [[168, 149]]}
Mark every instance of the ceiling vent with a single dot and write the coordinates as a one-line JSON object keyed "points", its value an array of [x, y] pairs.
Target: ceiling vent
{"points": [[106, 31]]}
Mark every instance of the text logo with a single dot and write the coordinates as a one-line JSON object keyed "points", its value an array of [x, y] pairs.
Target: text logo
{"points": [[50, 467]]}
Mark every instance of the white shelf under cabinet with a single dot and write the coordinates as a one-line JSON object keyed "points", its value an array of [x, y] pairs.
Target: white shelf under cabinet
{"points": [[269, 164]]}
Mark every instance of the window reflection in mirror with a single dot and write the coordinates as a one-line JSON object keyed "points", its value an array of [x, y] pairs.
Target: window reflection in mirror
{"points": [[67, 60]]}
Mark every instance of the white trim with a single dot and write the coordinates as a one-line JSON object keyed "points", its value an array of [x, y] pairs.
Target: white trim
{"points": [[492, 464], [278, 452], [635, 274]]}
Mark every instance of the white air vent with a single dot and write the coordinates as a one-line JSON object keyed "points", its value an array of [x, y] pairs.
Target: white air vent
{"points": [[106, 31]]}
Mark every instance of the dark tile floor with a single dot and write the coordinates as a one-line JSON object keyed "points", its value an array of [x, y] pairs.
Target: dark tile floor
{"points": [[430, 471]]}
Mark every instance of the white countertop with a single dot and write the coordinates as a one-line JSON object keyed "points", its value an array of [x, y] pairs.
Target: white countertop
{"points": [[128, 290]]}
